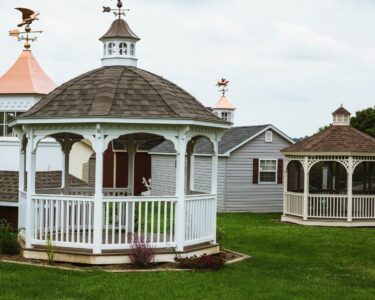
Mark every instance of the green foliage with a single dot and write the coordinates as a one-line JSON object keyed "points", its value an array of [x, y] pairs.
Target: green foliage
{"points": [[221, 236], [364, 120], [324, 128], [8, 239], [50, 251]]}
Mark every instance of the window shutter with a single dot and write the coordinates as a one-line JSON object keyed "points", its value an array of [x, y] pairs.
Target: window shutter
{"points": [[255, 171], [280, 167]]}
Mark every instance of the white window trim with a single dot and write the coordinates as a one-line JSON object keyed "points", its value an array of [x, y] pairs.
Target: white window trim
{"points": [[265, 136], [276, 172]]}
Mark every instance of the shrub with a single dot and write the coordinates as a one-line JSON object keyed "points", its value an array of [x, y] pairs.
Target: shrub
{"points": [[142, 255], [221, 236], [8, 239], [211, 262], [50, 251]]}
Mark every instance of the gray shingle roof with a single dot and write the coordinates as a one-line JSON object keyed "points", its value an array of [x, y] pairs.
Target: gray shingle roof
{"points": [[120, 92], [231, 139], [120, 29], [44, 180]]}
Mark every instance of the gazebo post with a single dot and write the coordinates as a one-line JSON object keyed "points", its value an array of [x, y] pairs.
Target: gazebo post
{"points": [[190, 167], [131, 149], [285, 186], [21, 184], [66, 146], [180, 192], [306, 189], [350, 189], [98, 199], [31, 166], [215, 163]]}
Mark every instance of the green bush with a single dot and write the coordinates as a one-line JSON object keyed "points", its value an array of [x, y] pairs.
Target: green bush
{"points": [[8, 239]]}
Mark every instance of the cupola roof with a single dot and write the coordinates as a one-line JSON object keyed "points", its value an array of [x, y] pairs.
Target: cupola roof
{"points": [[224, 103], [120, 29]]}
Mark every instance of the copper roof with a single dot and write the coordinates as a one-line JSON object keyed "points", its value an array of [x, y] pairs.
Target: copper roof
{"points": [[336, 139], [341, 111], [122, 92], [26, 77], [224, 104], [120, 29]]}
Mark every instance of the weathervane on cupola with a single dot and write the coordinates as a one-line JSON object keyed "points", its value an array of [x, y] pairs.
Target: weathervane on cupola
{"points": [[28, 35], [224, 109], [119, 43]]}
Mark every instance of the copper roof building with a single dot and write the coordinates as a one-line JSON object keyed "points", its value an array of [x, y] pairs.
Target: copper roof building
{"points": [[124, 104], [330, 177]]}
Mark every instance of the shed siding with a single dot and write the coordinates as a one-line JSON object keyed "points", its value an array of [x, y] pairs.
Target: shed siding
{"points": [[241, 194], [163, 174]]}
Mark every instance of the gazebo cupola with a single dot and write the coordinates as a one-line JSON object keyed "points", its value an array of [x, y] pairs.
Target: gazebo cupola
{"points": [[341, 117], [119, 42], [224, 109]]}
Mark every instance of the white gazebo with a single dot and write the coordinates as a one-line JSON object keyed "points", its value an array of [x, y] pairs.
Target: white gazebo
{"points": [[118, 102], [330, 177]]}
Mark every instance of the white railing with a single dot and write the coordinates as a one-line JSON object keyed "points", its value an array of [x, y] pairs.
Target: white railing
{"points": [[86, 191], [328, 206], [144, 219], [22, 209], [200, 219], [67, 221], [363, 207], [294, 204]]}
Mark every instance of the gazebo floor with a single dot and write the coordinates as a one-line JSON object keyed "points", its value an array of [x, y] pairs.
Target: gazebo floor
{"points": [[328, 222], [110, 257]]}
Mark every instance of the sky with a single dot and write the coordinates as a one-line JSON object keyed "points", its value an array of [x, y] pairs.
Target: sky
{"points": [[290, 63]]}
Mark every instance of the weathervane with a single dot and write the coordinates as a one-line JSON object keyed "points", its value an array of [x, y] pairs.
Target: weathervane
{"points": [[223, 84], [28, 17], [118, 12]]}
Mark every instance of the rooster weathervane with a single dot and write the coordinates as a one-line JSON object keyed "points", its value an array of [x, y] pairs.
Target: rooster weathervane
{"points": [[27, 35], [118, 12], [223, 84]]}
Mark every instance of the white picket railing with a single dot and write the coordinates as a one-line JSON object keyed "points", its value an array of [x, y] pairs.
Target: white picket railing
{"points": [[200, 219], [86, 191], [65, 221], [294, 204], [144, 219], [363, 207], [328, 206]]}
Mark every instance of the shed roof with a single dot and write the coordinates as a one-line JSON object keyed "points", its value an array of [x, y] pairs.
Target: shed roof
{"points": [[26, 77], [121, 92], [336, 139]]}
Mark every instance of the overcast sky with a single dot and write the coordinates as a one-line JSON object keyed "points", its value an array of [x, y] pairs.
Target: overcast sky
{"points": [[290, 62]]}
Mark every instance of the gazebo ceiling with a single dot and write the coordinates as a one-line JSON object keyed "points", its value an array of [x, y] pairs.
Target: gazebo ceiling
{"points": [[120, 92], [336, 139]]}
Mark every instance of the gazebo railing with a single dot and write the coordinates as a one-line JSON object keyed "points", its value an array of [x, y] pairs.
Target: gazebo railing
{"points": [[363, 207], [294, 204], [328, 206], [200, 219], [86, 191]]}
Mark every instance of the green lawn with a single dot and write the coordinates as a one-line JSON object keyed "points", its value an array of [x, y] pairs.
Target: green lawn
{"points": [[288, 262]]}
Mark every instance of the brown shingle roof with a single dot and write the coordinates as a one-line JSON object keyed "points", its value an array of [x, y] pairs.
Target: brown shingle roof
{"points": [[44, 180], [120, 29], [341, 111], [336, 139], [119, 91]]}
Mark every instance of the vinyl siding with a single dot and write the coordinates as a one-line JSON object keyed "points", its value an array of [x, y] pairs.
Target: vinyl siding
{"points": [[241, 194], [163, 175]]}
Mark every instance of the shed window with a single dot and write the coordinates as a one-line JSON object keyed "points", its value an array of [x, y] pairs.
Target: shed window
{"points": [[5, 118], [268, 137], [267, 171]]}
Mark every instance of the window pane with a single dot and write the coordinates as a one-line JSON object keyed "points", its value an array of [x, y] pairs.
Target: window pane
{"points": [[2, 118], [267, 177], [1, 130], [268, 165], [9, 131]]}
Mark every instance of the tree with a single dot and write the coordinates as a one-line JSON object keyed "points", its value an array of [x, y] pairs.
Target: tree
{"points": [[364, 120]]}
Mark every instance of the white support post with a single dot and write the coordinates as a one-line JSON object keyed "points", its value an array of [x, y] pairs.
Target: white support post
{"points": [[21, 185], [131, 149], [350, 190], [285, 172], [180, 192], [98, 199], [306, 189], [31, 165], [66, 148], [214, 170], [192, 171]]}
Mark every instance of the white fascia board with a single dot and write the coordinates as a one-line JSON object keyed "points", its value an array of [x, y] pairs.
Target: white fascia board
{"points": [[8, 204], [289, 139], [118, 121]]}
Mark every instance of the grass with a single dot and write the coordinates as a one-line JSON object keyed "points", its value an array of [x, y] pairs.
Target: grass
{"points": [[288, 262]]}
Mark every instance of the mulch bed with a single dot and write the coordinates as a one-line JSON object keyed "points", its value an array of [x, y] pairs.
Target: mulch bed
{"points": [[228, 256]]}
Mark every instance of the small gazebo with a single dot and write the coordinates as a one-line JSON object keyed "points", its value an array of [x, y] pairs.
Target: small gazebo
{"points": [[330, 177], [122, 103]]}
